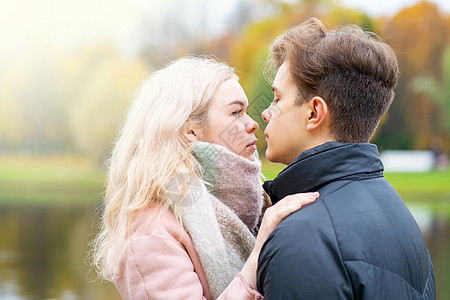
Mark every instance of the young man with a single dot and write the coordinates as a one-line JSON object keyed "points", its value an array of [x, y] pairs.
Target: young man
{"points": [[358, 240]]}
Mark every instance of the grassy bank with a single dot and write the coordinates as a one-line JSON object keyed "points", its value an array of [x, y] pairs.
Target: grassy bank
{"points": [[426, 182], [428, 188], [72, 180], [49, 181]]}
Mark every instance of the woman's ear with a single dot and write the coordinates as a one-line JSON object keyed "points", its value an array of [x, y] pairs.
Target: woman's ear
{"points": [[191, 132], [191, 136], [318, 113]]}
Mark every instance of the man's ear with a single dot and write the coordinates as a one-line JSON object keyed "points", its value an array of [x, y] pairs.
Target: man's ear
{"points": [[318, 113]]}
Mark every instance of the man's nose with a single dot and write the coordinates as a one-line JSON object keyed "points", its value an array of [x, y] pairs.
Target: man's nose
{"points": [[266, 114]]}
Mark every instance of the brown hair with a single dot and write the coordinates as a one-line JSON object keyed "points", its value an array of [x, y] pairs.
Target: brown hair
{"points": [[352, 70]]}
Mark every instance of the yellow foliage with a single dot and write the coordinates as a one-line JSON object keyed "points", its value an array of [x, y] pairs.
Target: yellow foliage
{"points": [[249, 51], [103, 98], [419, 35], [57, 101]]}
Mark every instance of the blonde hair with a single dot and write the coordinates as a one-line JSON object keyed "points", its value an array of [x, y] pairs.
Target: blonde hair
{"points": [[152, 149]]}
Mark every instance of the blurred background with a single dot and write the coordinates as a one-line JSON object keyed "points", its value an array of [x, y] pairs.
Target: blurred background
{"points": [[68, 70]]}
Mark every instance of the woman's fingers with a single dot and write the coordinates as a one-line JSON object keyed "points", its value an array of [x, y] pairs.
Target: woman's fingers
{"points": [[288, 205], [302, 198], [294, 202]]}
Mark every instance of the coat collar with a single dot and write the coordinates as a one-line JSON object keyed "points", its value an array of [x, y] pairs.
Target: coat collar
{"points": [[320, 165]]}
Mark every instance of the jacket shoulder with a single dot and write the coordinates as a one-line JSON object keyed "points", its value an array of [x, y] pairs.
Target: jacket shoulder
{"points": [[301, 258]]}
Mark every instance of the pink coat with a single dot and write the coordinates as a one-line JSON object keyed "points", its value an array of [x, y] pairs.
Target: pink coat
{"points": [[161, 263]]}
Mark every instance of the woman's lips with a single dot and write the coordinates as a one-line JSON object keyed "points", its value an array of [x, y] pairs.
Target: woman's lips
{"points": [[252, 144]]}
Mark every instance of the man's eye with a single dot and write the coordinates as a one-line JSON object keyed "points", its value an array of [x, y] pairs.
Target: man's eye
{"points": [[276, 101]]}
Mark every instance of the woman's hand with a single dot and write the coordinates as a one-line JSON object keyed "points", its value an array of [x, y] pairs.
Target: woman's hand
{"points": [[272, 217]]}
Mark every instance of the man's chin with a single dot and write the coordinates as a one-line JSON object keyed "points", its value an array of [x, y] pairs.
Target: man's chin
{"points": [[270, 156]]}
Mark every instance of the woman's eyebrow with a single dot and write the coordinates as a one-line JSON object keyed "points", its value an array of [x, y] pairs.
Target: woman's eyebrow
{"points": [[241, 103]]}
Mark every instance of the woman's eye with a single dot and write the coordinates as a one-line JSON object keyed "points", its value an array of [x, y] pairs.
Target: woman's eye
{"points": [[276, 101], [238, 112]]}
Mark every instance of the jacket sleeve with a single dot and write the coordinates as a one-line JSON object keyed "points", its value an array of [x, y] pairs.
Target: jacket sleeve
{"points": [[159, 267], [301, 260]]}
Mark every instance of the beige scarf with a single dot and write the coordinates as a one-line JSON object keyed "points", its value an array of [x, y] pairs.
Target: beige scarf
{"points": [[221, 238]]}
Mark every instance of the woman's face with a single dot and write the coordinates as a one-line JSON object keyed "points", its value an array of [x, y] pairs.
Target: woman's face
{"points": [[228, 124]]}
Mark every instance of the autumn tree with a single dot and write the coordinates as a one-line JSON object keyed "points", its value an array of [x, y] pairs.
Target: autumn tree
{"points": [[439, 91], [249, 52], [103, 98], [419, 35], [33, 110]]}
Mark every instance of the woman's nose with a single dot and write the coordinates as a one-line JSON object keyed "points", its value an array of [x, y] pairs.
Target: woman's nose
{"points": [[266, 115], [252, 125]]}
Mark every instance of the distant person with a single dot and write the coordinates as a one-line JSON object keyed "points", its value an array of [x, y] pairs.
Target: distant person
{"points": [[439, 158], [358, 240], [184, 192]]}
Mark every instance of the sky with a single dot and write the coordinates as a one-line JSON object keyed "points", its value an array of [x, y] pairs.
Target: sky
{"points": [[69, 23], [389, 7]]}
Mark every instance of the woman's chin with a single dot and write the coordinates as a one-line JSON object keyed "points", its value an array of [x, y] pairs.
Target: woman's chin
{"points": [[249, 152]]}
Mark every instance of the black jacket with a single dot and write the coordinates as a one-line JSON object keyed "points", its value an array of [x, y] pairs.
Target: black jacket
{"points": [[357, 241]]}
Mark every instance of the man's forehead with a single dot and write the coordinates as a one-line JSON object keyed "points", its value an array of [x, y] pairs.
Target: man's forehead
{"points": [[283, 75]]}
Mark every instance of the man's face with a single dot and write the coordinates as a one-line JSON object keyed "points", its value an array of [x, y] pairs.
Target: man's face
{"points": [[286, 129]]}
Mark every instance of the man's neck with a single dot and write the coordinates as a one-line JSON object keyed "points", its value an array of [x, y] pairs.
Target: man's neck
{"points": [[327, 162], [312, 144]]}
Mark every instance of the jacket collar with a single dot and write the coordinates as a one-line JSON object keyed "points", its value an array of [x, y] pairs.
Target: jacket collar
{"points": [[320, 165]]}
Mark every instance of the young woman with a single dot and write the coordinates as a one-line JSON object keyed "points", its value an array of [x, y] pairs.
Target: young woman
{"points": [[184, 192]]}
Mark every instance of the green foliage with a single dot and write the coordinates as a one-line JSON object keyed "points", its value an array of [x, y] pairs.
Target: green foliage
{"points": [[411, 122], [249, 52], [439, 92], [102, 103], [270, 170], [419, 35], [54, 102], [58, 102]]}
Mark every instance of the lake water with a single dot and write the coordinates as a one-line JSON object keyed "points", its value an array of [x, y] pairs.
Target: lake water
{"points": [[43, 252]]}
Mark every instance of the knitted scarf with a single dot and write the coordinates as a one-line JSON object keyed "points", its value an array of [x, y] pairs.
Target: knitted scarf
{"points": [[219, 215], [233, 179]]}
